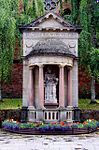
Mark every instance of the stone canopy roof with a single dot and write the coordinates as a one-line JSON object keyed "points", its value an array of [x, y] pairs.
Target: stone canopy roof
{"points": [[50, 47]]}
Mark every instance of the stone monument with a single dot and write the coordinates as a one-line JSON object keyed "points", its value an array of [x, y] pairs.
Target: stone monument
{"points": [[50, 67]]}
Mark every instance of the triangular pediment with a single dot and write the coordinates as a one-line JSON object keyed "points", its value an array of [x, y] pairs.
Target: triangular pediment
{"points": [[49, 21], [52, 20]]}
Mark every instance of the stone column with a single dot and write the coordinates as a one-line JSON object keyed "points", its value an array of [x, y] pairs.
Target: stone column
{"points": [[75, 84], [69, 87], [41, 86], [25, 83], [61, 86], [31, 88]]}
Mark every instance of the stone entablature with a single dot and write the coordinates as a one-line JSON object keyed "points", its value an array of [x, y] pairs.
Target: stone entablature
{"points": [[54, 60], [52, 34]]}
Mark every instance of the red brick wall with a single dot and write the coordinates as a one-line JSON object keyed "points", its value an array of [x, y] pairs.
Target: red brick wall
{"points": [[84, 84], [14, 88]]}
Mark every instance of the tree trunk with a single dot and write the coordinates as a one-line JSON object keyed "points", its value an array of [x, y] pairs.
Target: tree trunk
{"points": [[1, 83], [0, 93], [92, 89]]}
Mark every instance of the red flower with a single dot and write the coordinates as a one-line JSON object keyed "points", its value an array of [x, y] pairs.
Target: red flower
{"points": [[53, 123], [62, 123], [85, 122]]}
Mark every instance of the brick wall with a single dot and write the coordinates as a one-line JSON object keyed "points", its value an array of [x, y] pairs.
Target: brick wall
{"points": [[14, 88], [84, 85]]}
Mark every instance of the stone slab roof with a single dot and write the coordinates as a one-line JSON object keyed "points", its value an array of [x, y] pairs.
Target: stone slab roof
{"points": [[52, 47]]}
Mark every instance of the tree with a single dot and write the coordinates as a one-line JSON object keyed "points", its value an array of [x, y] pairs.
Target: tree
{"points": [[89, 54], [94, 71], [8, 10], [10, 19], [85, 14]]}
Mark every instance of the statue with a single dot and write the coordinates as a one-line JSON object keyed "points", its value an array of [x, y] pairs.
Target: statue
{"points": [[50, 87]]}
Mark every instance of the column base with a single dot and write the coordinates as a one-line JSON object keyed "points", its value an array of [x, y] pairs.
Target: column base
{"points": [[69, 114], [70, 107], [41, 108], [31, 108], [31, 114], [76, 114], [39, 115], [24, 114], [62, 115], [61, 108]]}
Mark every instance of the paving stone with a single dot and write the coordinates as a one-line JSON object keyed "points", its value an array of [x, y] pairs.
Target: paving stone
{"points": [[23, 142]]}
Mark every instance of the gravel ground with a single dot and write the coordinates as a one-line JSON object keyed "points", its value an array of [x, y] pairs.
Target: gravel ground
{"points": [[10, 141]]}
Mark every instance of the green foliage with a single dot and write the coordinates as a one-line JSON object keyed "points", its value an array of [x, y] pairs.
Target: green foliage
{"points": [[10, 19], [17, 103], [94, 63], [8, 10], [75, 11], [84, 48], [84, 15], [85, 104], [63, 127], [32, 9], [10, 104], [89, 55]]}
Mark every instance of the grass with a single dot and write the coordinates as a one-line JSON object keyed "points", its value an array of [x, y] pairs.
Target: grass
{"points": [[10, 104], [85, 104], [17, 103]]}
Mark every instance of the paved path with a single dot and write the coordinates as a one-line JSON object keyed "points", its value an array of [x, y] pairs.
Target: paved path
{"points": [[9, 141]]}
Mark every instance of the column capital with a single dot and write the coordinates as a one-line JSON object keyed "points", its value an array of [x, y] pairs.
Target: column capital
{"points": [[69, 67], [31, 67], [40, 65], [25, 63], [62, 65]]}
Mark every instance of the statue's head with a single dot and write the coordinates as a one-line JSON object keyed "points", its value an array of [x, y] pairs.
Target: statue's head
{"points": [[49, 70]]}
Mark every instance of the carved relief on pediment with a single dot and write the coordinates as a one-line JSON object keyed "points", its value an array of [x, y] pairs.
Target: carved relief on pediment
{"points": [[72, 44], [29, 44], [72, 47]]}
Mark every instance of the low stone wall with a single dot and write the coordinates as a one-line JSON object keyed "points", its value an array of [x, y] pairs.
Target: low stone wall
{"points": [[92, 114]]}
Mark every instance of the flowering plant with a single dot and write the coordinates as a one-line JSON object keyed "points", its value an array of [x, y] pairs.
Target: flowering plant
{"points": [[53, 127]]}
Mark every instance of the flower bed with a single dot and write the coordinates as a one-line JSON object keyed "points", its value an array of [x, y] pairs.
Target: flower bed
{"points": [[87, 126]]}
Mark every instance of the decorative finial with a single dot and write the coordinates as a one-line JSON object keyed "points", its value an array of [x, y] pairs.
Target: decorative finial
{"points": [[51, 4]]}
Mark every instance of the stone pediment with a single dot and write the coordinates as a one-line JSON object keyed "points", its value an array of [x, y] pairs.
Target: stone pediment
{"points": [[50, 21]]}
